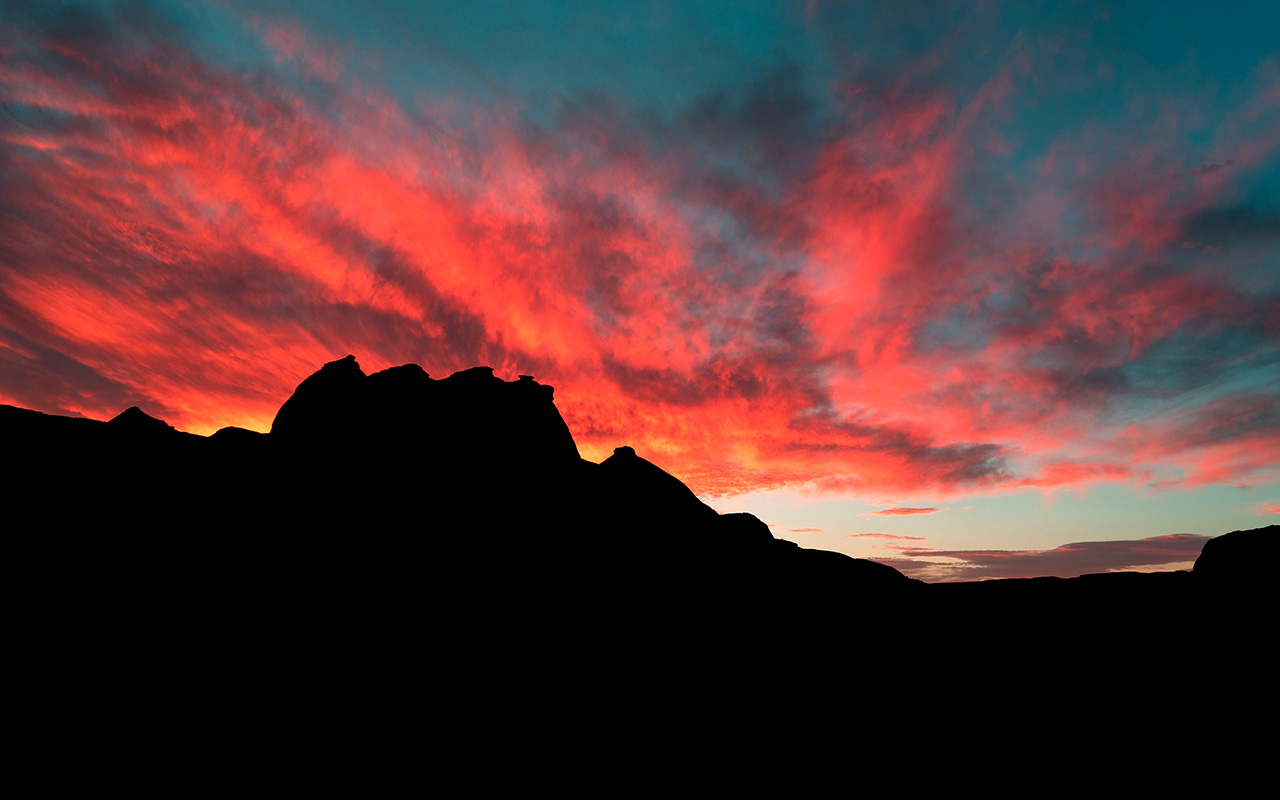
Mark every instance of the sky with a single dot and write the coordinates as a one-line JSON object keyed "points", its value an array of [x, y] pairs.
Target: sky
{"points": [[976, 289]]}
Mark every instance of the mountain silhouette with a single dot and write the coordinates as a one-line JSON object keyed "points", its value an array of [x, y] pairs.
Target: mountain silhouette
{"points": [[394, 523], [486, 471], [404, 557]]}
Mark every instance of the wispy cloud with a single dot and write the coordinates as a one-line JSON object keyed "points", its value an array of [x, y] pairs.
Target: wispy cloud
{"points": [[883, 536], [879, 277], [1067, 561]]}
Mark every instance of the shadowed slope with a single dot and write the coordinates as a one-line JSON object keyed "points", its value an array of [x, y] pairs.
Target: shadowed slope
{"points": [[401, 549], [472, 486]]}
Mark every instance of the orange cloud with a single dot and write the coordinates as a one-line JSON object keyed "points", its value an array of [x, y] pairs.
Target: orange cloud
{"points": [[197, 237]]}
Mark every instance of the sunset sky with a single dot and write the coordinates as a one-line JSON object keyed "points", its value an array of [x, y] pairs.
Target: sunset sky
{"points": [[976, 290]]}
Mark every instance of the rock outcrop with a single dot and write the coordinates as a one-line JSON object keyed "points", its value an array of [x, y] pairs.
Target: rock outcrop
{"points": [[404, 554], [472, 487], [1240, 557]]}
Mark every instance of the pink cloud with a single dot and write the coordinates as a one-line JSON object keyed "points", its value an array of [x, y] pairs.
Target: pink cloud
{"points": [[198, 239], [883, 536]]}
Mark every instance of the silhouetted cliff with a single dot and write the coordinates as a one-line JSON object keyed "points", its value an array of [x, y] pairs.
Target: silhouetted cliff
{"points": [[402, 554], [469, 493]]}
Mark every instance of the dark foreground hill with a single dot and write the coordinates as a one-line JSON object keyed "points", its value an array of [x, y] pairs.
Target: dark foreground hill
{"points": [[403, 555], [472, 479], [480, 479]]}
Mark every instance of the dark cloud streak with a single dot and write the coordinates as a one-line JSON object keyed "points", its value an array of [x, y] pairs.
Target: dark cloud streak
{"points": [[1066, 561]]}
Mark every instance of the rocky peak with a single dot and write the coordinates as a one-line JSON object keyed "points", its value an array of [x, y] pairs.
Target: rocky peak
{"points": [[323, 402], [470, 415], [135, 420], [649, 489]]}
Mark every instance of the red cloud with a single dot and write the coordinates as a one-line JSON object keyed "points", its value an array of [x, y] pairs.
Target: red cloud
{"points": [[899, 512], [198, 238]]}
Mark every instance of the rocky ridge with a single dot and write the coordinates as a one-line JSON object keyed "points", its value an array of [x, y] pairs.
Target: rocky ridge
{"points": [[473, 486]]}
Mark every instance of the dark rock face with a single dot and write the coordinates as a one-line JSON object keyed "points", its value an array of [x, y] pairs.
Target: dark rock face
{"points": [[401, 549], [135, 421], [234, 434], [470, 416], [1235, 571], [646, 494], [1243, 556], [329, 403], [404, 554], [468, 493], [746, 529]]}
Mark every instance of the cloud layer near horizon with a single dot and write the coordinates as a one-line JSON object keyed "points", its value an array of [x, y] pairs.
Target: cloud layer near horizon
{"points": [[994, 254], [1176, 551]]}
